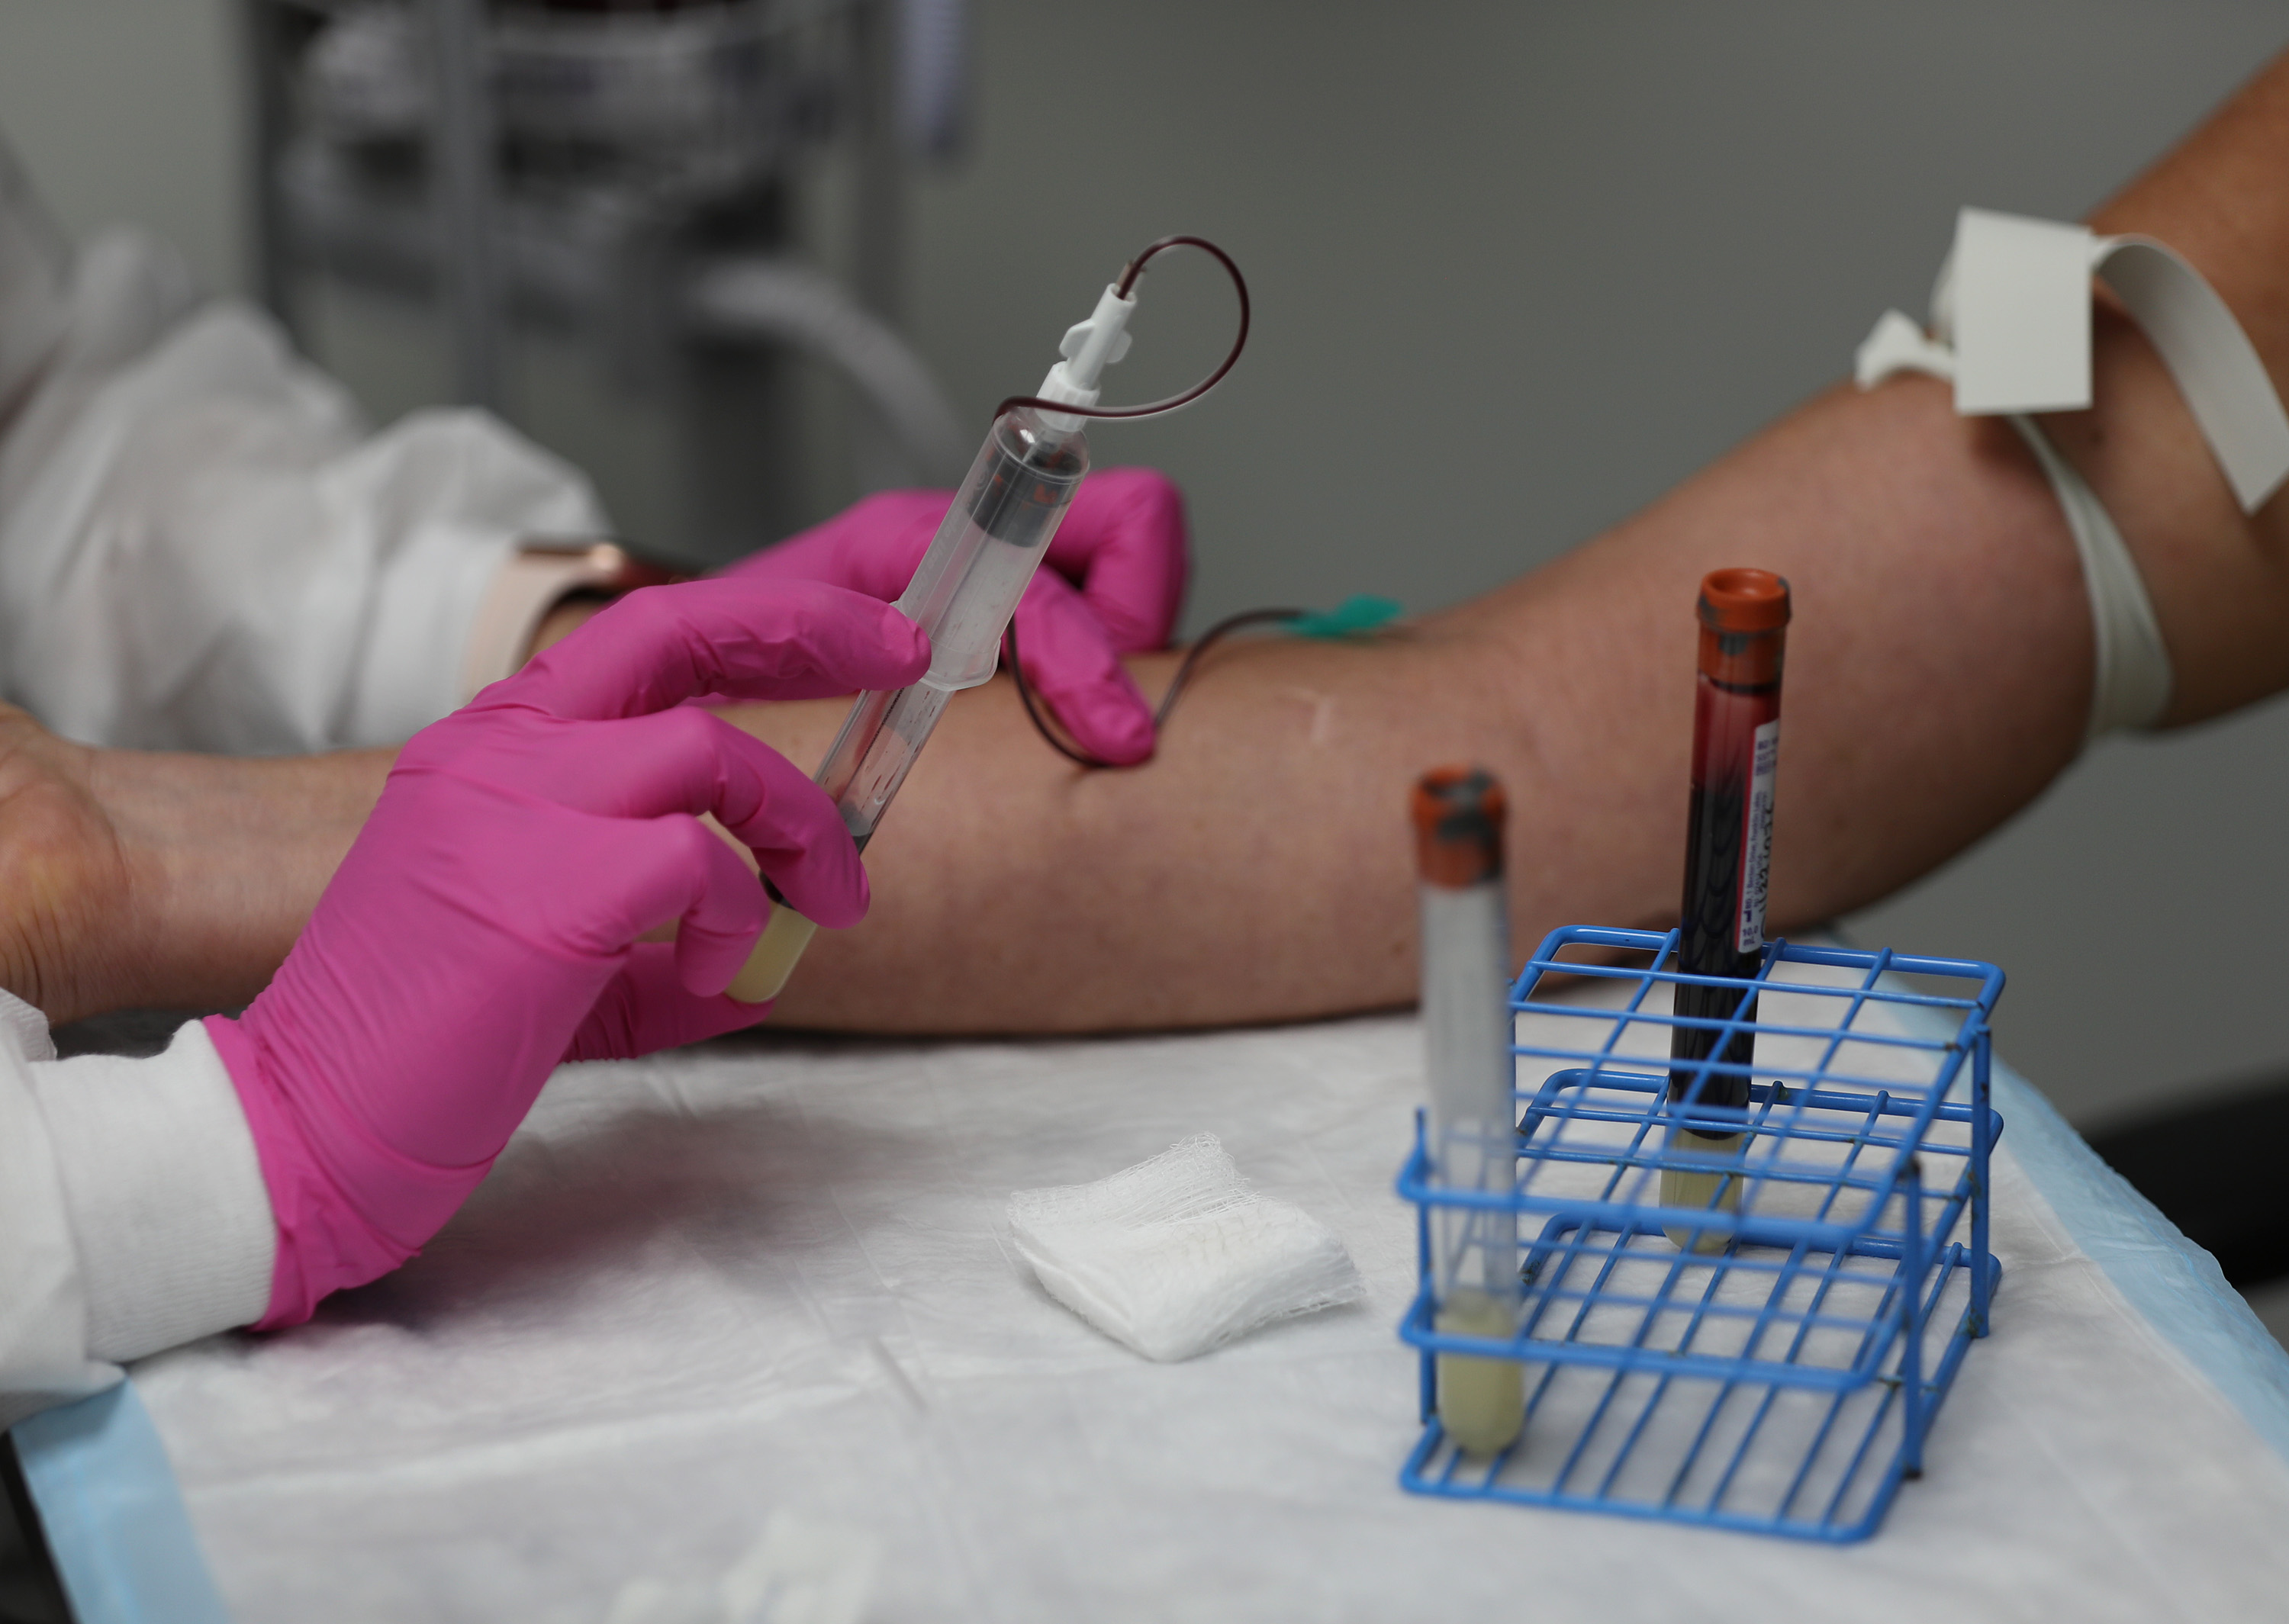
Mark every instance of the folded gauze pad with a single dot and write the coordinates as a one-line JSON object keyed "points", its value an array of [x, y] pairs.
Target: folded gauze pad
{"points": [[1177, 1254]]}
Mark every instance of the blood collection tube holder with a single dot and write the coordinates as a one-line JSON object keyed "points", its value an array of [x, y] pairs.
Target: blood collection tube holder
{"points": [[1786, 1385]]}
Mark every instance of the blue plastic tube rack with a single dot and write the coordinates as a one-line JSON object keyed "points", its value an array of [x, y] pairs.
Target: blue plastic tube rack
{"points": [[1786, 1384]]}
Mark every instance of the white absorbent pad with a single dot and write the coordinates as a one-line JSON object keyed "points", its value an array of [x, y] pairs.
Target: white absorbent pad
{"points": [[1179, 1254], [771, 1278]]}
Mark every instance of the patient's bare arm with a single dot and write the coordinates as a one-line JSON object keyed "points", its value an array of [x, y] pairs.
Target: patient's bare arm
{"points": [[1259, 868], [1939, 675], [1939, 672]]}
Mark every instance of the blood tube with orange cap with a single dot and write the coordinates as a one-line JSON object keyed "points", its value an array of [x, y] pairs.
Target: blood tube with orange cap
{"points": [[1728, 846], [1458, 816]]}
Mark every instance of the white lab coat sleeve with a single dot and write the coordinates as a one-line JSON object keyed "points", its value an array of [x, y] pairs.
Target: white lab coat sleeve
{"points": [[134, 1208], [202, 547], [44, 1357]]}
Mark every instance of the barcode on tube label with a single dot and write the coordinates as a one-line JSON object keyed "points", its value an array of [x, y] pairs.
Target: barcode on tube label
{"points": [[1756, 840]]}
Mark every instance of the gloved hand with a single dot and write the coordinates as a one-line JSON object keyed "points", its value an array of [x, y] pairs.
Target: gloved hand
{"points": [[484, 926], [1112, 584]]}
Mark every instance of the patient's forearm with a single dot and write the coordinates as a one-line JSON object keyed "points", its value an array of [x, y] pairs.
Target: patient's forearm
{"points": [[162, 879], [1259, 868], [229, 856], [1939, 678]]}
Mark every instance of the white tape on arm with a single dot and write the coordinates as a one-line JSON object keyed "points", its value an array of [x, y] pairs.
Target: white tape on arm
{"points": [[2015, 302], [2010, 330]]}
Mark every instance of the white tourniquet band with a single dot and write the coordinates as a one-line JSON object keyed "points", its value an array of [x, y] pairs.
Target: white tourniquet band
{"points": [[2010, 330]]}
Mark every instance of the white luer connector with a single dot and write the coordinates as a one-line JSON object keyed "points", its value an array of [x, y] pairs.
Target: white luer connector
{"points": [[1089, 348]]}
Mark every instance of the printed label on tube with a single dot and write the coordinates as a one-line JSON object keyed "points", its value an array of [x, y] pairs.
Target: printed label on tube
{"points": [[1756, 840]]}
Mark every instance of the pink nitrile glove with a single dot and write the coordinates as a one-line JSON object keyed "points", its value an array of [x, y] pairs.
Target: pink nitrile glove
{"points": [[484, 926], [1113, 584]]}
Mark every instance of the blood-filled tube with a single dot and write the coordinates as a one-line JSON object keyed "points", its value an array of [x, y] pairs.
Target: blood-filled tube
{"points": [[1736, 725], [1458, 816]]}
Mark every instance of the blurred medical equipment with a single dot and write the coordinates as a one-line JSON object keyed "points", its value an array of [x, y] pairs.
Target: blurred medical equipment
{"points": [[967, 588], [203, 545], [2011, 330], [1179, 1253], [1458, 814], [627, 174]]}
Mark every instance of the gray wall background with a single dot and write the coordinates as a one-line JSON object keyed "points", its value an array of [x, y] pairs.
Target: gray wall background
{"points": [[1518, 269]]}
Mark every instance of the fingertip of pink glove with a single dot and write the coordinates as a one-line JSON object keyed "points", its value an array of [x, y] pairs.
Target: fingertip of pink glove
{"points": [[1074, 668], [719, 931], [826, 889], [1113, 725], [904, 636], [646, 1008], [1127, 540], [870, 640]]}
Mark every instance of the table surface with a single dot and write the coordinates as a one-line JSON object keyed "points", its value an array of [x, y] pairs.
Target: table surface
{"points": [[767, 1277]]}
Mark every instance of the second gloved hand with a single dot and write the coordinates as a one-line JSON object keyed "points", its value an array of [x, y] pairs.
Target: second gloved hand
{"points": [[484, 926], [1114, 586]]}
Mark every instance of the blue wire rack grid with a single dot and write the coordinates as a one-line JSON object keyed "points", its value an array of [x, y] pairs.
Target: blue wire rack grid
{"points": [[1781, 1377]]}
